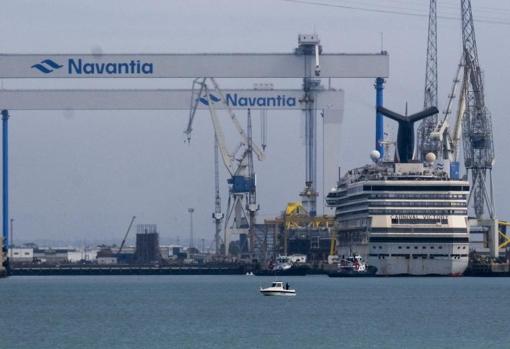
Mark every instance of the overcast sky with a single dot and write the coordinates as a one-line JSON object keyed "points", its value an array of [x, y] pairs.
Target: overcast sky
{"points": [[81, 177]]}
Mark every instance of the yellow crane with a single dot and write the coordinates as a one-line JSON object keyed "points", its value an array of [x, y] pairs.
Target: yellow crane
{"points": [[502, 230]]}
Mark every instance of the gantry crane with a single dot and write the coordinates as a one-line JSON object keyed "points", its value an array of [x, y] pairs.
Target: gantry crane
{"points": [[242, 205]]}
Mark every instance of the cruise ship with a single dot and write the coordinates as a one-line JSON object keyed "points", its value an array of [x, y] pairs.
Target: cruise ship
{"points": [[404, 217]]}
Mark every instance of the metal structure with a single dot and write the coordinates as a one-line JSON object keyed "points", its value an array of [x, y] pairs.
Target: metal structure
{"points": [[296, 223], [263, 115], [504, 239], [126, 235], [147, 244], [252, 206], [243, 65], [477, 132], [426, 143], [217, 214], [242, 203], [263, 129], [379, 120], [310, 48], [5, 182], [192, 65], [448, 138]]}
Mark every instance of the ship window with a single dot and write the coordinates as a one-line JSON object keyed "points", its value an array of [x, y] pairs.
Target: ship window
{"points": [[400, 247], [407, 247], [415, 247], [431, 247], [374, 247], [464, 247], [440, 247], [458, 247], [380, 247], [424, 247]]}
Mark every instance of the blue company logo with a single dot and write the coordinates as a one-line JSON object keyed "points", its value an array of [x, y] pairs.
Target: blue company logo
{"points": [[82, 67], [234, 100], [212, 98], [47, 66]]}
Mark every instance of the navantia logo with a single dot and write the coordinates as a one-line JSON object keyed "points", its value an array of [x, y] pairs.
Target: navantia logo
{"points": [[205, 101], [236, 100], [47, 66], [80, 66]]}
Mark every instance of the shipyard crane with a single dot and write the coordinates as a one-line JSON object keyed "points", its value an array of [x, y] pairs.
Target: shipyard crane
{"points": [[477, 132], [426, 143], [448, 137], [242, 206]]}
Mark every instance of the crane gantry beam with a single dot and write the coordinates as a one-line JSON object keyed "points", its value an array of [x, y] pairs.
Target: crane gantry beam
{"points": [[162, 99], [218, 65]]}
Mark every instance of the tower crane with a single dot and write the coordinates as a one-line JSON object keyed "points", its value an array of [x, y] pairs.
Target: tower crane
{"points": [[242, 206]]}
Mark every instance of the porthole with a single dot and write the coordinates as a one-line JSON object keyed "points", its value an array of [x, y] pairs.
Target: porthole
{"points": [[415, 247], [400, 247]]}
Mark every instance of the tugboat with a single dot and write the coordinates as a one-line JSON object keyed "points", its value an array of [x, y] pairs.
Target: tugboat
{"points": [[278, 289], [353, 266]]}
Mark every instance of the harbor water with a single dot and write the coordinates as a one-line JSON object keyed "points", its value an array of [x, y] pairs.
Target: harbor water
{"points": [[228, 312]]}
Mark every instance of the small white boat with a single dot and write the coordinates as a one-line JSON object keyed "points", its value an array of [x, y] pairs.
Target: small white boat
{"points": [[278, 288]]}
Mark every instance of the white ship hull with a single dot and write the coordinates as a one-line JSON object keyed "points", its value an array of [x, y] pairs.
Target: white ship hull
{"points": [[393, 266]]}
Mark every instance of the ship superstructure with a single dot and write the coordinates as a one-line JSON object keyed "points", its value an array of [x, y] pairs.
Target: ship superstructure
{"points": [[404, 218]]}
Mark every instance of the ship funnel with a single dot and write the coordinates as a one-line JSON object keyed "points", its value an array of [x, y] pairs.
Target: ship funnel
{"points": [[405, 138]]}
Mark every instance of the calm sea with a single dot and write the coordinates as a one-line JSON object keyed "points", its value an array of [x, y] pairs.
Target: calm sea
{"points": [[228, 312]]}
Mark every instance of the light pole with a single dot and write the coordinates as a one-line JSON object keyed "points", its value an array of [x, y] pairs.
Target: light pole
{"points": [[11, 241], [191, 210]]}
